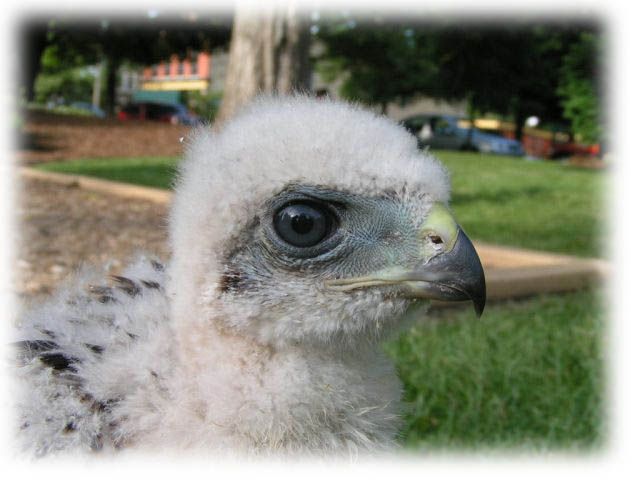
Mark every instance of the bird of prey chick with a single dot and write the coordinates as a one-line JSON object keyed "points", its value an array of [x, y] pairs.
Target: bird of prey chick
{"points": [[303, 233]]}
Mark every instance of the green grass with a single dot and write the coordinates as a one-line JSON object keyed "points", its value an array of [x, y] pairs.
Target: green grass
{"points": [[526, 374], [503, 200], [60, 110], [149, 171], [537, 205]]}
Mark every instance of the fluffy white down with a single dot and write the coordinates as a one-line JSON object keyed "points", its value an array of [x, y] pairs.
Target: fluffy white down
{"points": [[227, 176], [181, 369]]}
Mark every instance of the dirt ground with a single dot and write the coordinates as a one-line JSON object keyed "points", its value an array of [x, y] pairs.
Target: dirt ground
{"points": [[47, 137], [61, 228]]}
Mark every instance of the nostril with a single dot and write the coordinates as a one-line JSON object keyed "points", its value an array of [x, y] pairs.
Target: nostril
{"points": [[436, 239]]}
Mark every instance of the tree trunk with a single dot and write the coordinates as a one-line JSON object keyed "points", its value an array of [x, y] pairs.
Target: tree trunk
{"points": [[112, 63], [519, 133], [519, 119], [97, 85], [34, 41], [269, 54], [471, 114]]}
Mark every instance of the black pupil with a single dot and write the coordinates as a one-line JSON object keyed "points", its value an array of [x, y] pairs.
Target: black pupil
{"points": [[302, 225]]}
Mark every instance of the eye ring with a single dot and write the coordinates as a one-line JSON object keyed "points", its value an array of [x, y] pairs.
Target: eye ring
{"points": [[303, 224]]}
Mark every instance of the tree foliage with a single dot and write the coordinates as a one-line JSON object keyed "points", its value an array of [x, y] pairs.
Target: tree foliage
{"points": [[578, 89], [381, 63], [33, 38], [205, 105], [514, 70], [71, 84], [62, 78], [136, 39], [509, 70]]}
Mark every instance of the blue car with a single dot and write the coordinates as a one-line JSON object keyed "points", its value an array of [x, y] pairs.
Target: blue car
{"points": [[445, 132]]}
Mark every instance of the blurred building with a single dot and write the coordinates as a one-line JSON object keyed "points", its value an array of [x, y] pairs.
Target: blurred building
{"points": [[426, 105], [166, 81]]}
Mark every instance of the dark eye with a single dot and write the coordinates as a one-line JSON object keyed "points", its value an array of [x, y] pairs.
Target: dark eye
{"points": [[302, 224]]}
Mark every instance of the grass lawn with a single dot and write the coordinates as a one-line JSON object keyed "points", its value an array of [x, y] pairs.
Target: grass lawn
{"points": [[538, 205], [528, 373], [503, 200], [149, 171]]}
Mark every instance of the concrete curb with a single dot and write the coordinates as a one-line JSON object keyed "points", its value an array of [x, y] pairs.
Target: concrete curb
{"points": [[505, 283], [514, 272], [510, 272], [157, 195]]}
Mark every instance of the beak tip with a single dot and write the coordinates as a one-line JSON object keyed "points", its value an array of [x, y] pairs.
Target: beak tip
{"points": [[480, 300]]}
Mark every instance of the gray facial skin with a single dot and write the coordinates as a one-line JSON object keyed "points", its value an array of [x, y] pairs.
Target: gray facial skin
{"points": [[404, 246]]}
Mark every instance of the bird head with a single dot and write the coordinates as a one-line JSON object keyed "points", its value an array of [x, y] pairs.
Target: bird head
{"points": [[313, 221]]}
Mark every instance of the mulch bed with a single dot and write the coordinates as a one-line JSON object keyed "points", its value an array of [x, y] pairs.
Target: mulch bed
{"points": [[47, 137], [61, 228]]}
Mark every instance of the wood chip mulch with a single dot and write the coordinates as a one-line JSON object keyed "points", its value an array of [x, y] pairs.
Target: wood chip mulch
{"points": [[47, 137], [63, 227]]}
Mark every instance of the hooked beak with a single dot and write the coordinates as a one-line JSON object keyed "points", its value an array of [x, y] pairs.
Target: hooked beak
{"points": [[450, 271]]}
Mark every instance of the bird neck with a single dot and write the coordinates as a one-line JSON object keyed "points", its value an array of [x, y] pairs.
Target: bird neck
{"points": [[204, 350], [244, 392]]}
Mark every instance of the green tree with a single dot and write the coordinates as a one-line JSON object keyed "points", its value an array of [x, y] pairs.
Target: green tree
{"points": [[34, 40], [578, 87], [509, 70], [137, 39], [512, 70], [380, 63], [205, 105], [60, 78]]}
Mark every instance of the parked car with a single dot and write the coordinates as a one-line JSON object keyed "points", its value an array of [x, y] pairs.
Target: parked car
{"points": [[569, 149], [445, 132], [164, 112]]}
